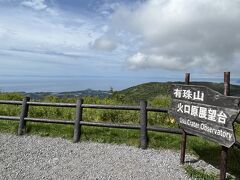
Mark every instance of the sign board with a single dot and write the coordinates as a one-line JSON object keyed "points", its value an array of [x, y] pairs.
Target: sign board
{"points": [[204, 112]]}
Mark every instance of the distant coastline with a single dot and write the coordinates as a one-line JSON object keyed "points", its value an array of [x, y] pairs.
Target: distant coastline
{"points": [[141, 91], [68, 84]]}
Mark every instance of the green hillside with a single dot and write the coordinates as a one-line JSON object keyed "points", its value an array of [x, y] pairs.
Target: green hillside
{"points": [[149, 91], [146, 91], [157, 95]]}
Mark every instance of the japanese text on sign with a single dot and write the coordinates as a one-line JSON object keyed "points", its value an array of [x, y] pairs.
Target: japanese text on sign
{"points": [[210, 114], [188, 94]]}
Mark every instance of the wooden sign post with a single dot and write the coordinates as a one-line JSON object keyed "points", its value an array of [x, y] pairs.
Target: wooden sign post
{"points": [[224, 151], [204, 112], [184, 134]]}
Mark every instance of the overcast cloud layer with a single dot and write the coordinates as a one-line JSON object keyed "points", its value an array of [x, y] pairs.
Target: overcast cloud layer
{"points": [[182, 34], [107, 38]]}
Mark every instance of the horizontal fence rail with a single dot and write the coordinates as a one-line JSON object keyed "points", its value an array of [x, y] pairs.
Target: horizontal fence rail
{"points": [[93, 106], [96, 124], [73, 105], [11, 102], [12, 118], [54, 121]]}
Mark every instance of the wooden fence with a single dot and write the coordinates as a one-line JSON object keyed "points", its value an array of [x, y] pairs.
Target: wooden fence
{"points": [[80, 106]]}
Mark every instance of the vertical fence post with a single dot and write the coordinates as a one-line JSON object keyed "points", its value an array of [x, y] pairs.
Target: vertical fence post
{"points": [[226, 83], [77, 125], [24, 113], [184, 134], [143, 124], [224, 151]]}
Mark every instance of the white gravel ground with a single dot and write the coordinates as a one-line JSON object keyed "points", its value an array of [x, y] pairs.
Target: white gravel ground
{"points": [[33, 157]]}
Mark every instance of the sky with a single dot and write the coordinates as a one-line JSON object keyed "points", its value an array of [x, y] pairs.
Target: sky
{"points": [[122, 39]]}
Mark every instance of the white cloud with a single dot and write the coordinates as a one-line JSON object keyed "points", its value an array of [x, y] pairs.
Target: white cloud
{"points": [[105, 44], [39, 5], [40, 32], [35, 4], [182, 34], [107, 7], [137, 60], [59, 43], [143, 61], [2, 32], [105, 28]]}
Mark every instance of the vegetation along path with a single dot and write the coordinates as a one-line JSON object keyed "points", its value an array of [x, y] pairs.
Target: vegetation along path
{"points": [[33, 157]]}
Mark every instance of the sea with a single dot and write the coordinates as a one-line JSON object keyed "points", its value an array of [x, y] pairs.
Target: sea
{"points": [[74, 83]]}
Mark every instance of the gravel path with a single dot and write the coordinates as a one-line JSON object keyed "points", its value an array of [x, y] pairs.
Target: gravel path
{"points": [[33, 157]]}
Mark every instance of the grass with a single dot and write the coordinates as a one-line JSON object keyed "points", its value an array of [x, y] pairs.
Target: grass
{"points": [[211, 154], [96, 134], [8, 127], [201, 174]]}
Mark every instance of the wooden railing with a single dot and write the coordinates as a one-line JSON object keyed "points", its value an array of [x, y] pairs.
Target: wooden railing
{"points": [[79, 106], [142, 108]]}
